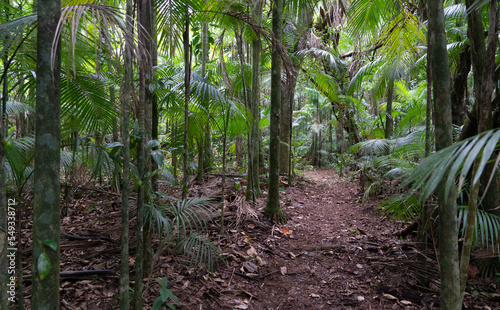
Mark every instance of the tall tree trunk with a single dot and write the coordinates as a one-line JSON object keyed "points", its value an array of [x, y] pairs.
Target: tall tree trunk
{"points": [[389, 125], [127, 99], [253, 188], [484, 106], [151, 119], [478, 56], [428, 108], [4, 214], [224, 137], [46, 200], [273, 208], [202, 144], [459, 86], [144, 65], [5, 277], [448, 230], [187, 81]]}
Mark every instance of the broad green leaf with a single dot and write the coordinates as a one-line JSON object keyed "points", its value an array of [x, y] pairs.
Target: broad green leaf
{"points": [[43, 265], [51, 244], [157, 304]]}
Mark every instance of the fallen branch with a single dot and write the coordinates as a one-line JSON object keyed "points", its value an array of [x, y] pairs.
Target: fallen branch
{"points": [[80, 275], [86, 237]]}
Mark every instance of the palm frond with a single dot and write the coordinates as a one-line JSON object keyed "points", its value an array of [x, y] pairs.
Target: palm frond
{"points": [[200, 251], [454, 162], [401, 208], [486, 228]]}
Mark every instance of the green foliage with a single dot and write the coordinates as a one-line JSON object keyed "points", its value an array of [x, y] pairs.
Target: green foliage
{"points": [[43, 265], [486, 228], [165, 295], [183, 222], [401, 208], [453, 162]]}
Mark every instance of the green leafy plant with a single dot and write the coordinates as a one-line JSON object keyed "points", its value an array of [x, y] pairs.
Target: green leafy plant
{"points": [[165, 295], [183, 223]]}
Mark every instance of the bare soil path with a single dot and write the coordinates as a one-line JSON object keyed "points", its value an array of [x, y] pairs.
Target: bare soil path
{"points": [[331, 254]]}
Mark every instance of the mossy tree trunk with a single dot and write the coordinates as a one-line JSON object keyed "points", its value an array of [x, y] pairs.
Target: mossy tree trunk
{"points": [[484, 120], [46, 200], [273, 208], [253, 187], [448, 230]]}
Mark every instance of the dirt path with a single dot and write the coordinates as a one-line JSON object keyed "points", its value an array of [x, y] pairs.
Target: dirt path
{"points": [[325, 262], [332, 254]]}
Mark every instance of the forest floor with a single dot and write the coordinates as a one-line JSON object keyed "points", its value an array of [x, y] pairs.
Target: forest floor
{"points": [[333, 253]]}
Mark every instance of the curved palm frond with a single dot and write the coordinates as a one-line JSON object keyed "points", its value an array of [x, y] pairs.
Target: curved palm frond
{"points": [[200, 251], [486, 228], [454, 162]]}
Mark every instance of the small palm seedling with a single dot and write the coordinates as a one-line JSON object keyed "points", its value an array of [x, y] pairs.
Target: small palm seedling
{"points": [[165, 296], [183, 223]]}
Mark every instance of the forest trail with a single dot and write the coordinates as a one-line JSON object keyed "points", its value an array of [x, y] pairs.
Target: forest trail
{"points": [[331, 254], [330, 257]]}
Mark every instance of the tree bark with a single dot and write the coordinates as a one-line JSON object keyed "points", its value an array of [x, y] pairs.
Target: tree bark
{"points": [[448, 231], [428, 108], [389, 123], [459, 86], [484, 108], [273, 208], [46, 200], [127, 99], [4, 214], [202, 144], [253, 188], [150, 119], [187, 81]]}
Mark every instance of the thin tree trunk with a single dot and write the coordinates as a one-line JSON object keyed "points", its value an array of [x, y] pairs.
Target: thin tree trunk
{"points": [[201, 140], [127, 99], [389, 126], [484, 106], [142, 165], [428, 108], [150, 121], [46, 200], [4, 214], [448, 231], [226, 123], [187, 81], [273, 208], [253, 188]]}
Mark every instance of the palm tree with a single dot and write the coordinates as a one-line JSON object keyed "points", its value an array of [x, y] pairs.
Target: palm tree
{"points": [[448, 234], [46, 203], [273, 208]]}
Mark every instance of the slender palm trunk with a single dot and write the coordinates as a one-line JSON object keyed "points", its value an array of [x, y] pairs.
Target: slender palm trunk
{"points": [[389, 123], [484, 106], [253, 188], [46, 200], [4, 214], [127, 99], [224, 138], [187, 81], [142, 168], [201, 140], [273, 208], [146, 20], [428, 108], [448, 230]]}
